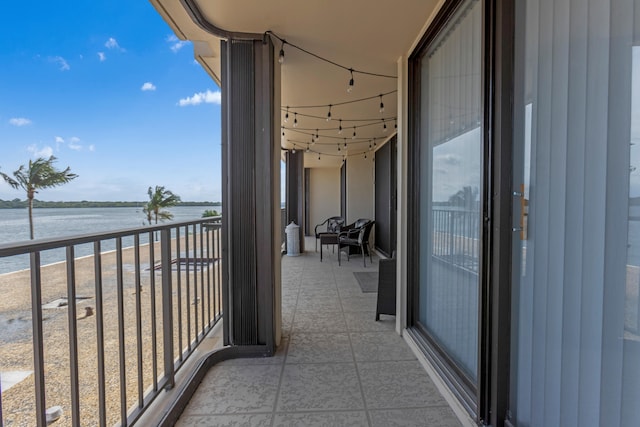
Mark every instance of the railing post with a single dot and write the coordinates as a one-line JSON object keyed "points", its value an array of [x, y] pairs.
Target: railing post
{"points": [[38, 340], [167, 306], [451, 242]]}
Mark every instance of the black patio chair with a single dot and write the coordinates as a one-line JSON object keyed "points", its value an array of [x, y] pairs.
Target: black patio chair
{"points": [[357, 237], [332, 225]]}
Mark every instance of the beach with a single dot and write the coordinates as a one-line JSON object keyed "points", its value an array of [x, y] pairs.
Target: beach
{"points": [[16, 354]]}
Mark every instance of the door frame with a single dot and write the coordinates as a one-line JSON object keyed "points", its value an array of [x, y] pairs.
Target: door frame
{"points": [[487, 400]]}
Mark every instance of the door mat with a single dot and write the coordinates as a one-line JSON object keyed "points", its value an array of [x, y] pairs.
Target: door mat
{"points": [[368, 281]]}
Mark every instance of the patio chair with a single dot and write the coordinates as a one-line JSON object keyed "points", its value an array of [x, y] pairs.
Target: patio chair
{"points": [[356, 238], [332, 225]]}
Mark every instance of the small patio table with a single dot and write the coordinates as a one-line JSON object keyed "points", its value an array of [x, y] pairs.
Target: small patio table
{"points": [[327, 239]]}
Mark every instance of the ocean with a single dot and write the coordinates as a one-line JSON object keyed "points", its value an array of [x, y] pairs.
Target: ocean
{"points": [[61, 222]]}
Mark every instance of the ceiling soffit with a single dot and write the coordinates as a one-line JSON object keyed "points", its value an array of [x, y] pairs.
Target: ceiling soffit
{"points": [[358, 34]]}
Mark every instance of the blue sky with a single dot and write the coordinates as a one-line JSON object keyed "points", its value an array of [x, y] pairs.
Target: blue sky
{"points": [[106, 87]]}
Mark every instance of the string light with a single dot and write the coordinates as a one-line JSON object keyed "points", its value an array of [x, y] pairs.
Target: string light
{"points": [[308, 148], [353, 101], [354, 133], [395, 124], [340, 128], [374, 142], [338, 147], [281, 56], [295, 120], [282, 130], [318, 156], [345, 143], [352, 70], [317, 135], [329, 114], [286, 116], [350, 87], [293, 151], [384, 126], [381, 105]]}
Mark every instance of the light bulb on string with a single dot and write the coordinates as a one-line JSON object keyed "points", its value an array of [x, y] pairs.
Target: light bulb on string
{"points": [[395, 124], [345, 143], [384, 126], [340, 128], [318, 156], [374, 142], [329, 114], [350, 87], [283, 131], [286, 116], [338, 147], [370, 147], [381, 105], [365, 155], [354, 133], [293, 150], [295, 120], [317, 135], [281, 55], [307, 148]]}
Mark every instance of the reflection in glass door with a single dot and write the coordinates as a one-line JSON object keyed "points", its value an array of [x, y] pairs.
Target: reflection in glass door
{"points": [[450, 188]]}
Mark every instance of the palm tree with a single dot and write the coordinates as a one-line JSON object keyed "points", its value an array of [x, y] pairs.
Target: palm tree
{"points": [[38, 175], [159, 198]]}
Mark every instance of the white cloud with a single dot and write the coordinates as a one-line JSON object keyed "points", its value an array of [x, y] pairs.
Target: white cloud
{"points": [[102, 56], [176, 44], [113, 44], [74, 143], [19, 121], [148, 86], [64, 66], [59, 140], [45, 151], [208, 97]]}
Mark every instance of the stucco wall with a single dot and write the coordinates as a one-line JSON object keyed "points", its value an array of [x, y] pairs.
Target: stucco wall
{"points": [[324, 195], [360, 188]]}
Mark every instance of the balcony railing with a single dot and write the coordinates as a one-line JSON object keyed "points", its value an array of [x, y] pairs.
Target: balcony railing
{"points": [[109, 330], [455, 237]]}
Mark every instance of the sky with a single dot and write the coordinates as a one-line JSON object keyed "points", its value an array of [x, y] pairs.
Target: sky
{"points": [[107, 88]]}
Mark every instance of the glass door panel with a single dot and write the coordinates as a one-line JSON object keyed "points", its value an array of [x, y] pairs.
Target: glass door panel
{"points": [[451, 175]]}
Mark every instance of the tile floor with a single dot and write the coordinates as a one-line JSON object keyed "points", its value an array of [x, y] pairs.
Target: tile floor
{"points": [[336, 366]]}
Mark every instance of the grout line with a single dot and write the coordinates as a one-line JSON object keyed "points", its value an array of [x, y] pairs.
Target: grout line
{"points": [[286, 351], [355, 364]]}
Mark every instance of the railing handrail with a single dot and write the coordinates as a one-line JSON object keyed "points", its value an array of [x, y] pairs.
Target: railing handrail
{"points": [[29, 246]]}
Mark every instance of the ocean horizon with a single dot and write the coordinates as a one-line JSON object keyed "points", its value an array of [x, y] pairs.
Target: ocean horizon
{"points": [[66, 222]]}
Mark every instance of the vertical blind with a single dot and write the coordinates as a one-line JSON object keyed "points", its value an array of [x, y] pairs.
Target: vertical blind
{"points": [[576, 356]]}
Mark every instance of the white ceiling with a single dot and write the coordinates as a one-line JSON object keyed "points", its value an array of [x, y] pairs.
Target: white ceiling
{"points": [[359, 34]]}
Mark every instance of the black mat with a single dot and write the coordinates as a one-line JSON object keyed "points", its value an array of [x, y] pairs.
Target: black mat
{"points": [[368, 281]]}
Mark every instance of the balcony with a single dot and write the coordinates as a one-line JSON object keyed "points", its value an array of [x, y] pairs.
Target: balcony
{"points": [[335, 365]]}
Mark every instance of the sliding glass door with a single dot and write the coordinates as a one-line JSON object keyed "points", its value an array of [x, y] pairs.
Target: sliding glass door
{"points": [[448, 178]]}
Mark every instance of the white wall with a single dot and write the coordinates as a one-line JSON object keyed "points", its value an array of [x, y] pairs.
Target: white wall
{"points": [[324, 194], [360, 188]]}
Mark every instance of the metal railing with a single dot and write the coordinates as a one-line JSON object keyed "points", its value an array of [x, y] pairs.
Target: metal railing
{"points": [[455, 237], [106, 367]]}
